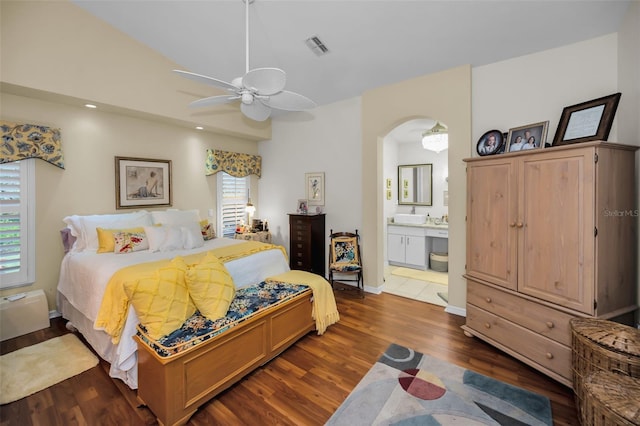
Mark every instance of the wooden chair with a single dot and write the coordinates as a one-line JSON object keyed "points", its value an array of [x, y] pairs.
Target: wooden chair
{"points": [[344, 258]]}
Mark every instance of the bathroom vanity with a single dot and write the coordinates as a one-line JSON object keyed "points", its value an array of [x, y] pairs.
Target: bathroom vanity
{"points": [[409, 244]]}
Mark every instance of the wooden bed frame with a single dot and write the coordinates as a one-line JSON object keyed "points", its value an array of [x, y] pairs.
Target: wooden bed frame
{"points": [[174, 388]]}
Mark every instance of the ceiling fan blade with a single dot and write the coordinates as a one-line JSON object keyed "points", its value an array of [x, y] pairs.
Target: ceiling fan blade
{"points": [[206, 80], [213, 100], [256, 110], [289, 101], [265, 81]]}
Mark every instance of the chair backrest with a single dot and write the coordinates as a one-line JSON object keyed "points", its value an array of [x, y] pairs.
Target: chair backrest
{"points": [[344, 247]]}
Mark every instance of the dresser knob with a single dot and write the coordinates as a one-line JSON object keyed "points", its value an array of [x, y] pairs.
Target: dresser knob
{"points": [[512, 225], [487, 325], [488, 299], [549, 355], [550, 324], [519, 224]]}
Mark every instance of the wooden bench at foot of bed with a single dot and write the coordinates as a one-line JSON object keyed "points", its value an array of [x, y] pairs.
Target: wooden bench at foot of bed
{"points": [[174, 388]]}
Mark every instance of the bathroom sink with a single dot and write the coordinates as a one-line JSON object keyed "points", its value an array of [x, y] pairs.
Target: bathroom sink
{"points": [[410, 219]]}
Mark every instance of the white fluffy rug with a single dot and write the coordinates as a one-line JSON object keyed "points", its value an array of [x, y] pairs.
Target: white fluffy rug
{"points": [[31, 369]]}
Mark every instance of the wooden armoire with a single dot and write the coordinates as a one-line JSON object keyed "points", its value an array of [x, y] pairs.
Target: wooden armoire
{"points": [[551, 235]]}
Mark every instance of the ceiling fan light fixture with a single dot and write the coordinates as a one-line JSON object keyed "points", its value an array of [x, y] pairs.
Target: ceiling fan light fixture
{"points": [[436, 139], [259, 89]]}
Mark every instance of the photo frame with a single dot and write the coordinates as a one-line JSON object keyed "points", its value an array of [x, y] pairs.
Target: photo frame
{"points": [[524, 138], [303, 207], [142, 182], [490, 143], [587, 121], [314, 183]]}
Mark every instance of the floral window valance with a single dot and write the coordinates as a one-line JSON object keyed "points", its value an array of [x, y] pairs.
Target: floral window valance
{"points": [[233, 163], [22, 141]]}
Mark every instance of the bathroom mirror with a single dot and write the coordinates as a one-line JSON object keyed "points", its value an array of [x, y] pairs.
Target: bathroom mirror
{"points": [[415, 184]]}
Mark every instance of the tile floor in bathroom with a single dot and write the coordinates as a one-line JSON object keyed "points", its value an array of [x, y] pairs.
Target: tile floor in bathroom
{"points": [[414, 289]]}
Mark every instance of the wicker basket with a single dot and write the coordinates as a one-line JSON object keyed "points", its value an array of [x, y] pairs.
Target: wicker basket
{"points": [[601, 345], [615, 400]]}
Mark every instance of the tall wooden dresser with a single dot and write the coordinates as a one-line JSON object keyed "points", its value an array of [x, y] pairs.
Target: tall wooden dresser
{"points": [[307, 242], [551, 235]]}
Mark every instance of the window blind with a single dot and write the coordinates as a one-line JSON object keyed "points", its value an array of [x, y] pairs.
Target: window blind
{"points": [[17, 199], [232, 199]]}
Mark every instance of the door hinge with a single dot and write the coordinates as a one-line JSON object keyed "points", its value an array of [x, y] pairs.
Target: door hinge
{"points": [[595, 304], [595, 157], [595, 232]]}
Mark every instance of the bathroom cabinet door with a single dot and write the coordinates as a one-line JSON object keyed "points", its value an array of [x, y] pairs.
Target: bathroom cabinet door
{"points": [[395, 248], [415, 250]]}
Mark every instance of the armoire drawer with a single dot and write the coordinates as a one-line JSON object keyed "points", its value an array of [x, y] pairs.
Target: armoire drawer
{"points": [[539, 349], [538, 318]]}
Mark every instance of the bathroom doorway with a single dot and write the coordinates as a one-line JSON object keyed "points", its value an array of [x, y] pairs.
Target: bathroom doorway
{"points": [[415, 279]]}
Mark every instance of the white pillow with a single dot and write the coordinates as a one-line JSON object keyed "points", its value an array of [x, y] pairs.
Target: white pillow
{"points": [[111, 221], [192, 235], [84, 227], [164, 238], [175, 217]]}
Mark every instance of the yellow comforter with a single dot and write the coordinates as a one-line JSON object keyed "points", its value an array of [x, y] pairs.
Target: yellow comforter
{"points": [[325, 311], [115, 302]]}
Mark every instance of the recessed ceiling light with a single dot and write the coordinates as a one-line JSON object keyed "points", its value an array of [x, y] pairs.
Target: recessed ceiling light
{"points": [[90, 106], [199, 127]]}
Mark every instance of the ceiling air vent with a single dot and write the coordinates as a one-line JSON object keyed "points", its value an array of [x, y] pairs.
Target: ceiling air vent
{"points": [[316, 45]]}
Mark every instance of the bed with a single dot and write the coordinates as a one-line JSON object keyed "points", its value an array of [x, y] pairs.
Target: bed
{"points": [[86, 282]]}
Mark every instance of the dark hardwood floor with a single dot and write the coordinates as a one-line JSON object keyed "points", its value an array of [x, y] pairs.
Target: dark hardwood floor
{"points": [[305, 384]]}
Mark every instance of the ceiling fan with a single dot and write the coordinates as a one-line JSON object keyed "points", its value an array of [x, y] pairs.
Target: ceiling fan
{"points": [[259, 90]]}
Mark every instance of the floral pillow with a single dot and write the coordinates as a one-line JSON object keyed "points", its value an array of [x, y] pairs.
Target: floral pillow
{"points": [[128, 242], [207, 229]]}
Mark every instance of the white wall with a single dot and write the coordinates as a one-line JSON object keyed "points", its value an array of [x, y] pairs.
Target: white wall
{"points": [[330, 143], [534, 88]]}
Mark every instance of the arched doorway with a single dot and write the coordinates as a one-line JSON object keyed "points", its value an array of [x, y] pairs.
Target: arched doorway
{"points": [[412, 278]]}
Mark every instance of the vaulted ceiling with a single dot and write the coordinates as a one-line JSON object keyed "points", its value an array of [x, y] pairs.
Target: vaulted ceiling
{"points": [[370, 43]]}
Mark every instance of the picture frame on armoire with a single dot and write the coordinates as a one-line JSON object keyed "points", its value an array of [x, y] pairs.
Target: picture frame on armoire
{"points": [[587, 121], [490, 143]]}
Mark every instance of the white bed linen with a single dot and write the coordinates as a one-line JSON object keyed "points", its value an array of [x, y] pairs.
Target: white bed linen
{"points": [[84, 277]]}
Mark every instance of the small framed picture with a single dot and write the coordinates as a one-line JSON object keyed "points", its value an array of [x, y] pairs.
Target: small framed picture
{"points": [[587, 121], [315, 188], [303, 207], [527, 137], [490, 143]]}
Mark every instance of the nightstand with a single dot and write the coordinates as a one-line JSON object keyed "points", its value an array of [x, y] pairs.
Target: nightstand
{"points": [[262, 236]]}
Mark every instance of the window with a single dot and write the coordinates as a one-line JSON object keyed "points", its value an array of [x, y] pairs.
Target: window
{"points": [[232, 201], [17, 223]]}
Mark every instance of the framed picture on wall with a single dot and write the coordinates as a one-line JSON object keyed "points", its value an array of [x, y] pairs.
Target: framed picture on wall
{"points": [[142, 182], [315, 188]]}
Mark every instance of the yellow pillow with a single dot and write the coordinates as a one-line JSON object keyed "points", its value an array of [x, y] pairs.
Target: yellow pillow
{"points": [[161, 299], [211, 287], [106, 240]]}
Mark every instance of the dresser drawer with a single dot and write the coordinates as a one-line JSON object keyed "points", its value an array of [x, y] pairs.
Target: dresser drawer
{"points": [[538, 318], [539, 349]]}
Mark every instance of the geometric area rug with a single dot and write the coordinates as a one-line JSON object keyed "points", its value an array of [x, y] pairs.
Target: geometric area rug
{"points": [[34, 368], [408, 388]]}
